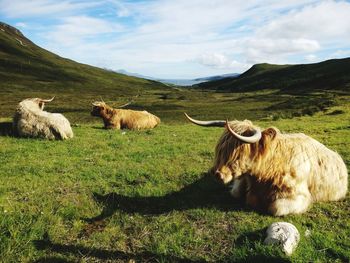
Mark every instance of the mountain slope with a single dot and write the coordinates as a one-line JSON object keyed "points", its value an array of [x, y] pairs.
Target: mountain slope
{"points": [[328, 75], [26, 63]]}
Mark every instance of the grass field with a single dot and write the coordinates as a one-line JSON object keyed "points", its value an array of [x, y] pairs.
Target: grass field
{"points": [[145, 196]]}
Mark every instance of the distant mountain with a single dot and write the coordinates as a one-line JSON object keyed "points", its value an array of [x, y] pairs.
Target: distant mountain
{"points": [[124, 72], [332, 74], [218, 77], [180, 82]]}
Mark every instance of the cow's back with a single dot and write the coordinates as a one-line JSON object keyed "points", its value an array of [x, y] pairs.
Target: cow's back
{"points": [[324, 169], [329, 180], [138, 120]]}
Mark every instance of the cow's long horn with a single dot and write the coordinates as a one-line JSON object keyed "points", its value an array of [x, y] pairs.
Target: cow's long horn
{"points": [[214, 123], [251, 139], [47, 100], [124, 105]]}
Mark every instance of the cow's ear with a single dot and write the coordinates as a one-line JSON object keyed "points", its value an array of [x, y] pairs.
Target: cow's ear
{"points": [[41, 105], [270, 133], [266, 137]]}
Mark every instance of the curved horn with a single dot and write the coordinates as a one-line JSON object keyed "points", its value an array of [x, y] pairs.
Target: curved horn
{"points": [[47, 100], [124, 105], [214, 123], [251, 139]]}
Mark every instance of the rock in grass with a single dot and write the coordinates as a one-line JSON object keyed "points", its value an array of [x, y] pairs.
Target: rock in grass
{"points": [[284, 234]]}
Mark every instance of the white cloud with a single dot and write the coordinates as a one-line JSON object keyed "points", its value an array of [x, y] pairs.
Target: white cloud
{"points": [[181, 37], [272, 50], [21, 25], [326, 19], [311, 58], [26, 8], [340, 53], [73, 30], [217, 60]]}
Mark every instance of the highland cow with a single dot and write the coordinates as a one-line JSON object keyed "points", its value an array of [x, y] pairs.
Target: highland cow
{"points": [[30, 120], [275, 172], [124, 119]]}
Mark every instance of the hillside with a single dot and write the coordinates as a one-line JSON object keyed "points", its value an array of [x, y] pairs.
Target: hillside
{"points": [[22, 59], [29, 70], [328, 75]]}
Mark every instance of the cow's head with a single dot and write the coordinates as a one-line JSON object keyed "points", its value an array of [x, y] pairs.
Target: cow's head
{"points": [[99, 107], [37, 102], [234, 142]]}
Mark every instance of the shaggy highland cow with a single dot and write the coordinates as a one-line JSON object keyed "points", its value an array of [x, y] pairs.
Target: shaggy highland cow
{"points": [[274, 172], [124, 119], [30, 120]]}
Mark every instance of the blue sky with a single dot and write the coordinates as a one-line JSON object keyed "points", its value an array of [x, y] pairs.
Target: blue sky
{"points": [[184, 38]]}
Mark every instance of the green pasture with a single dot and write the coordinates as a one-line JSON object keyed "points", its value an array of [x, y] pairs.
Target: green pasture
{"points": [[115, 196]]}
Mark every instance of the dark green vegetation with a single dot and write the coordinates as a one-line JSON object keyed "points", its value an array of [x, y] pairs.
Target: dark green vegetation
{"points": [[117, 195], [331, 75]]}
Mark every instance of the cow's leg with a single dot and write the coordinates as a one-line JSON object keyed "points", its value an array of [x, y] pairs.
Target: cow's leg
{"points": [[113, 126], [296, 204]]}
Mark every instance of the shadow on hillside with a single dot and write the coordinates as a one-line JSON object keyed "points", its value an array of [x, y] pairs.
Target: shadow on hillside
{"points": [[6, 129], [102, 254], [203, 193]]}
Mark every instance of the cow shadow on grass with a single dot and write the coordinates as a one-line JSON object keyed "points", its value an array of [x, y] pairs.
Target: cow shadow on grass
{"points": [[80, 251], [203, 193], [56, 253], [6, 129]]}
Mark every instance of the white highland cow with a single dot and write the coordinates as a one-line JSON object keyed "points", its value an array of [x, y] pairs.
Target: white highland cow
{"points": [[30, 120], [275, 172]]}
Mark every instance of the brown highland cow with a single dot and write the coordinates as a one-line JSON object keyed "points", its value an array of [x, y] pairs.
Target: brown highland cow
{"points": [[124, 119]]}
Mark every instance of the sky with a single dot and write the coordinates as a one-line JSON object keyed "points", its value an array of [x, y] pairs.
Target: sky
{"points": [[184, 38]]}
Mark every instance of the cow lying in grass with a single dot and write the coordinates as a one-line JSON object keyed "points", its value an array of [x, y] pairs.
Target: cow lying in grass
{"points": [[124, 119], [30, 120], [274, 172]]}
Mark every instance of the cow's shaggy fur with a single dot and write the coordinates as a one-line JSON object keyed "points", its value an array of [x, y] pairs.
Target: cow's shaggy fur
{"points": [[124, 119], [281, 173], [30, 120]]}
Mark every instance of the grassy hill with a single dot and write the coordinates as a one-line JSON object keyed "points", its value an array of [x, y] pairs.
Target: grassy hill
{"points": [[330, 75], [25, 62]]}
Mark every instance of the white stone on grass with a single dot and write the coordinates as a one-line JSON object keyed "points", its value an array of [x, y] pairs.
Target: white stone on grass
{"points": [[284, 234]]}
